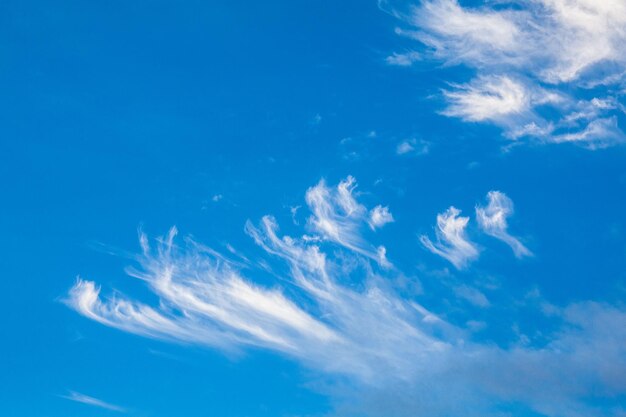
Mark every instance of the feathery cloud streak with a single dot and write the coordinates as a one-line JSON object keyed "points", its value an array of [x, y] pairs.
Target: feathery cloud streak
{"points": [[86, 399], [452, 242], [532, 58], [492, 220], [337, 217], [392, 349]]}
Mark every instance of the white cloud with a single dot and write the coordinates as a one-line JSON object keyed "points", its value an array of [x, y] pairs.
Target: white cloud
{"points": [[464, 35], [394, 355], [208, 303], [492, 219], [599, 133], [452, 242], [567, 36], [379, 216], [205, 301], [337, 216], [489, 98], [85, 399], [529, 55]]}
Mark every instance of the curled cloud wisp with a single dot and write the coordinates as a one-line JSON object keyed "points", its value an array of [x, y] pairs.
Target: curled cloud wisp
{"points": [[379, 216], [452, 242], [492, 219], [337, 217]]}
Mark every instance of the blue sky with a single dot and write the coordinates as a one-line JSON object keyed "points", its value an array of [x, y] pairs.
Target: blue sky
{"points": [[313, 209]]}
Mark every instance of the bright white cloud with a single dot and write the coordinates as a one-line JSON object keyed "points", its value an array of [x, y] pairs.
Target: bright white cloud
{"points": [[530, 55], [338, 314], [85, 399], [501, 100], [452, 242], [215, 305], [379, 216], [204, 300], [492, 219], [488, 99], [553, 379], [567, 36], [463, 35], [337, 217]]}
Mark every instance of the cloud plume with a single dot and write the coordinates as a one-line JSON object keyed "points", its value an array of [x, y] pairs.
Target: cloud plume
{"points": [[383, 352], [337, 216], [492, 219]]}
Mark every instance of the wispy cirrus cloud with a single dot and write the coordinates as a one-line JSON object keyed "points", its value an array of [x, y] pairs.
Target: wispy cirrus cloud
{"points": [[86, 399], [499, 99], [540, 64], [492, 219], [337, 216], [392, 354], [452, 242], [206, 301], [492, 98], [379, 216]]}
